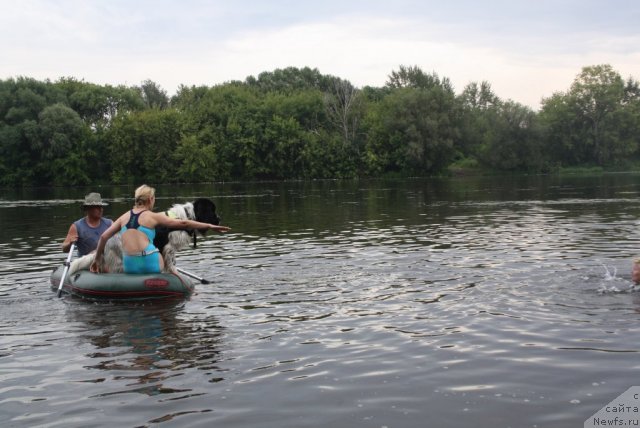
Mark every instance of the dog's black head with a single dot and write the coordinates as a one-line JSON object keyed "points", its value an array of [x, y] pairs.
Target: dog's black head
{"points": [[205, 211]]}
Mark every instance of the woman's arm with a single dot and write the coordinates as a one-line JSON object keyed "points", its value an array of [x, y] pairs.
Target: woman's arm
{"points": [[167, 221]]}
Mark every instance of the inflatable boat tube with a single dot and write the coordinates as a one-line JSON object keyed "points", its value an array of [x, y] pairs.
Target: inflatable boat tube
{"points": [[122, 286]]}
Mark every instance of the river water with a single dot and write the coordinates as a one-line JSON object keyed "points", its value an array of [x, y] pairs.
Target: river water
{"points": [[466, 302]]}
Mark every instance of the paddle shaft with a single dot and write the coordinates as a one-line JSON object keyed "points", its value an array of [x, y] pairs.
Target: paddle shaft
{"points": [[189, 274], [67, 263]]}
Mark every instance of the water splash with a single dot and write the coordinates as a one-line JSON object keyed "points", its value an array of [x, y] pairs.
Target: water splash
{"points": [[613, 284], [608, 275]]}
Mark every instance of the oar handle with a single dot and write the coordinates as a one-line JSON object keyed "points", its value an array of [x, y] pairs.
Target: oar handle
{"points": [[67, 263], [194, 276]]}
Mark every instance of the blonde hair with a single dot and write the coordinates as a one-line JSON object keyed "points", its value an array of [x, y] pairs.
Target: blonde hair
{"points": [[144, 194]]}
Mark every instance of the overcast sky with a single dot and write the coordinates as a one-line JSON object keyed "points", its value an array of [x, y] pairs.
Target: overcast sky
{"points": [[526, 49]]}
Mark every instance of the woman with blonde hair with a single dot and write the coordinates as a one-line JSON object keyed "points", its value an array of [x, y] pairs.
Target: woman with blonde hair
{"points": [[137, 228]]}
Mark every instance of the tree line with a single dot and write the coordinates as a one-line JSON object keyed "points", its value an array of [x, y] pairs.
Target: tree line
{"points": [[300, 124]]}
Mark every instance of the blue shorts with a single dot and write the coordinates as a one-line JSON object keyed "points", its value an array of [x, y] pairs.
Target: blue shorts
{"points": [[146, 262]]}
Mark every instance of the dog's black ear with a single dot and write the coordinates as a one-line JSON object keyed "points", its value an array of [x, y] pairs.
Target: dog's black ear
{"points": [[205, 211]]}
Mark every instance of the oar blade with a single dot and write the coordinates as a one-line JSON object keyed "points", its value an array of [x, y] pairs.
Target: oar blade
{"points": [[67, 263]]}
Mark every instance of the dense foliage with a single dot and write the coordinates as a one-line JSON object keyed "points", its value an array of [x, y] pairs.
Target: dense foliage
{"points": [[297, 123]]}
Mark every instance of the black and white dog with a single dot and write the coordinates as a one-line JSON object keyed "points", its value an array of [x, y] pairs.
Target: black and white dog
{"points": [[168, 241]]}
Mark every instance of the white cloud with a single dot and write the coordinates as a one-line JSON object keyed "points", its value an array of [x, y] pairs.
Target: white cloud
{"points": [[208, 44], [366, 51]]}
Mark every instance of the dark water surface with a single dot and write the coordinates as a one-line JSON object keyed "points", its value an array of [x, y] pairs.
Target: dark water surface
{"points": [[465, 302]]}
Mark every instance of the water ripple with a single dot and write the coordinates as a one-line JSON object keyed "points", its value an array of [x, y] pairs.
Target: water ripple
{"points": [[448, 309]]}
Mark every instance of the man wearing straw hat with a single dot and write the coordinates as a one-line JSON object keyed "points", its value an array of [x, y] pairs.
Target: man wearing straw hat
{"points": [[86, 231]]}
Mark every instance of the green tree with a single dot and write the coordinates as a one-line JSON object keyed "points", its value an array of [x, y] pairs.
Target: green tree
{"points": [[290, 79], [153, 96], [412, 131], [564, 131], [227, 117], [21, 102], [285, 137], [61, 143], [143, 146], [479, 112], [344, 106], [512, 143], [414, 77], [87, 99], [195, 161], [292, 142], [298, 123], [597, 93], [584, 124], [187, 98], [98, 105]]}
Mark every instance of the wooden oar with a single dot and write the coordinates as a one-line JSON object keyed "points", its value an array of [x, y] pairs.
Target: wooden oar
{"points": [[67, 263], [194, 276]]}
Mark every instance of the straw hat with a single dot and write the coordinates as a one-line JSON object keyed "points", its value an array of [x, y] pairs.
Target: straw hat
{"points": [[93, 200]]}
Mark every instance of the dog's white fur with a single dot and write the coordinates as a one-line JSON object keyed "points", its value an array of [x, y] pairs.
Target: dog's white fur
{"points": [[112, 260]]}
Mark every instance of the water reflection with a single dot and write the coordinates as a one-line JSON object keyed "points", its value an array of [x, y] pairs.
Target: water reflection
{"points": [[144, 345]]}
